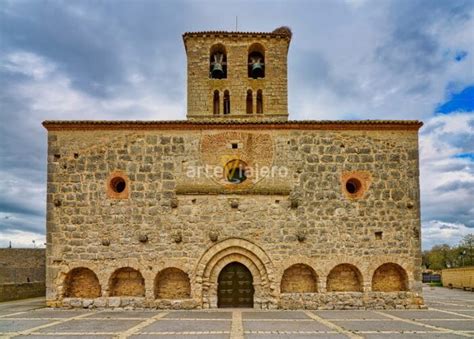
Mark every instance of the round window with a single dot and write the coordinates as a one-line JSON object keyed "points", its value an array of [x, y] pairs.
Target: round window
{"points": [[118, 184], [353, 185], [235, 171]]}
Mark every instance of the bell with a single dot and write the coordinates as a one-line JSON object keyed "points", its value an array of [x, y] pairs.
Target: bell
{"points": [[217, 71], [257, 70]]}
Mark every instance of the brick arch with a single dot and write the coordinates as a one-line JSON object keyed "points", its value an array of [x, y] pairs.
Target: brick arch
{"points": [[172, 283], [299, 278], [389, 277], [81, 282], [244, 252], [344, 278], [126, 281]]}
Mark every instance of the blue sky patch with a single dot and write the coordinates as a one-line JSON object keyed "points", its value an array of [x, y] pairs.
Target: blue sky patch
{"points": [[469, 156], [460, 55], [462, 101]]}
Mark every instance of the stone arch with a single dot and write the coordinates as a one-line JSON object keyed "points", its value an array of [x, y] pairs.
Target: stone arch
{"points": [[172, 283], [389, 277], [218, 62], [299, 278], [256, 61], [344, 278], [81, 282], [235, 250], [127, 281]]}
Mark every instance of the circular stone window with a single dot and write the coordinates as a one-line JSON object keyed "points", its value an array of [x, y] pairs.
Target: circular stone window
{"points": [[235, 171], [118, 184], [353, 186]]}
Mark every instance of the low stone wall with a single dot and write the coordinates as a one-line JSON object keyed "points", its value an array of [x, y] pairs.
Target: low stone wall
{"points": [[22, 291], [351, 300], [126, 303], [458, 277], [288, 301]]}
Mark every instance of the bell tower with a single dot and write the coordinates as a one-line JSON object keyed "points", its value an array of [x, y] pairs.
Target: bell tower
{"points": [[237, 75]]}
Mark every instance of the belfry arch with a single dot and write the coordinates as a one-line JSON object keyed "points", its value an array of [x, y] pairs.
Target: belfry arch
{"points": [[254, 258]]}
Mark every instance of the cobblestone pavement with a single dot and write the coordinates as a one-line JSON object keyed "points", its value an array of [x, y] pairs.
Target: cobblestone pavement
{"points": [[450, 314]]}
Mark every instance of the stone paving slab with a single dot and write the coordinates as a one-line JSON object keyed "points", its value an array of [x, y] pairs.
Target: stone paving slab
{"points": [[412, 336], [55, 336], [274, 315], [169, 325], [389, 325], [422, 314], [465, 312], [19, 325], [181, 336], [198, 315], [91, 326], [460, 325], [451, 307], [122, 314], [349, 315], [294, 336], [48, 314], [285, 326]]}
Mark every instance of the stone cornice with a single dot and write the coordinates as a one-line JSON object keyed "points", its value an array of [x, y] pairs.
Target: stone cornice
{"points": [[58, 125]]}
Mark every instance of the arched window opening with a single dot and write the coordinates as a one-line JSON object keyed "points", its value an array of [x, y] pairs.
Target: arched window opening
{"points": [[389, 277], [299, 278], [216, 102], [344, 278], [259, 101], [256, 61], [218, 62], [249, 101], [226, 102]]}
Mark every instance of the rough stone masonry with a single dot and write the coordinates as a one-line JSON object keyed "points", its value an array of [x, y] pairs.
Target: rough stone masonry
{"points": [[237, 205]]}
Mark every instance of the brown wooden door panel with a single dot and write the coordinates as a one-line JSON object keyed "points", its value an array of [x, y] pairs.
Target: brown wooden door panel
{"points": [[235, 286]]}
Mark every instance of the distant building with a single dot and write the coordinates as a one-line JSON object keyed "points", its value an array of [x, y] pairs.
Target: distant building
{"points": [[236, 206], [22, 273]]}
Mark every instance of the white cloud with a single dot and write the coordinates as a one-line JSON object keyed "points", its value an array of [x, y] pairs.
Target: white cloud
{"points": [[437, 232], [447, 182], [21, 239]]}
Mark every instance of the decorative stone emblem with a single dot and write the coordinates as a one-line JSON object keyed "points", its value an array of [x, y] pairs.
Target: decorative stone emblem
{"points": [[174, 203], [143, 238], [105, 242], [177, 237], [214, 236], [301, 235]]}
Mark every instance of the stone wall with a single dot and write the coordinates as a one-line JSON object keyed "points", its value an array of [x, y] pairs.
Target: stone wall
{"points": [[22, 273], [198, 225]]}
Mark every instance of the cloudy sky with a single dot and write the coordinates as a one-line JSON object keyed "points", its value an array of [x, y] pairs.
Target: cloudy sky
{"points": [[354, 59]]}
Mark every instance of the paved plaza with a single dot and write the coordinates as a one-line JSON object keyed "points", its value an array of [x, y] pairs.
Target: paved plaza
{"points": [[450, 314]]}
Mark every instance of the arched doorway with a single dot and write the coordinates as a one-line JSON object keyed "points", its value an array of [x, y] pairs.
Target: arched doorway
{"points": [[235, 286]]}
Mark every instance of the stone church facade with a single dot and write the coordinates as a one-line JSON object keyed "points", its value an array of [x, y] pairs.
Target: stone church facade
{"points": [[237, 206]]}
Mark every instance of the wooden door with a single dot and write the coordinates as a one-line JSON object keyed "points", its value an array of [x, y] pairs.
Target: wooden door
{"points": [[235, 286]]}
